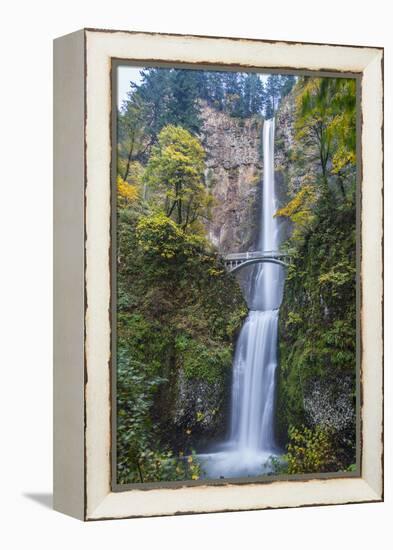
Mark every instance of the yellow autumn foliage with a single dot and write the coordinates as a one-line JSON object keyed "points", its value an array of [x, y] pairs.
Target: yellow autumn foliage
{"points": [[127, 191], [298, 209], [326, 114]]}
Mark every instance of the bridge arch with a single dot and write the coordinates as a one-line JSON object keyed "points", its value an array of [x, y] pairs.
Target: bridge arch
{"points": [[252, 261]]}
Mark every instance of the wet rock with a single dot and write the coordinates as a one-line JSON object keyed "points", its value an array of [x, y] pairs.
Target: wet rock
{"points": [[200, 412], [330, 405]]}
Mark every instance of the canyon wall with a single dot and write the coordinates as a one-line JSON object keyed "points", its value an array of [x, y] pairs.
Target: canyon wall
{"points": [[233, 174]]}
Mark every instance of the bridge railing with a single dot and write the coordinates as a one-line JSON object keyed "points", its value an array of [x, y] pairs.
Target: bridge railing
{"points": [[256, 254]]}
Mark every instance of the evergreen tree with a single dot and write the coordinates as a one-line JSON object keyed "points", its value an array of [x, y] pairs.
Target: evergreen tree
{"points": [[253, 95], [245, 103], [232, 83], [272, 94], [268, 106], [167, 96], [131, 132], [216, 90], [286, 84], [154, 93], [183, 108], [203, 85], [233, 93]]}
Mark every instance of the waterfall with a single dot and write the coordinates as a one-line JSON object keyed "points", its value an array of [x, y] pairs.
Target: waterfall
{"points": [[251, 439], [253, 383], [255, 361]]}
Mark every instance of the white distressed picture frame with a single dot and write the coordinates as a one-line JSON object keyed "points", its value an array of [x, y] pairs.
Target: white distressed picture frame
{"points": [[82, 336]]}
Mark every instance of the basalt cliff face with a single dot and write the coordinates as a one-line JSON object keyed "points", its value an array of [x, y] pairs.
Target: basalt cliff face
{"points": [[296, 164], [233, 175]]}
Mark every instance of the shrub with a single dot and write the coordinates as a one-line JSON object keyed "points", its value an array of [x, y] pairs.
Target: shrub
{"points": [[310, 451]]}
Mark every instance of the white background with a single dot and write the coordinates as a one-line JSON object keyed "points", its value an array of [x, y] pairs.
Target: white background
{"points": [[28, 28]]}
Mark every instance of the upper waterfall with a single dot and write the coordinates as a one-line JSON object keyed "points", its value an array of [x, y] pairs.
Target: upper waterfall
{"points": [[268, 223]]}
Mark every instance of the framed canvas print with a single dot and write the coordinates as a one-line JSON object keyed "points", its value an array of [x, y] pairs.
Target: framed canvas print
{"points": [[218, 274]]}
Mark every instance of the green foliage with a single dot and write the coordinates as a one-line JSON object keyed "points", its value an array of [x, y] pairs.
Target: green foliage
{"points": [[135, 433], [175, 171], [317, 317], [145, 340], [276, 465], [159, 235], [309, 451], [131, 138], [169, 97], [318, 314], [287, 82], [277, 87], [178, 311], [200, 361], [183, 107], [126, 192], [164, 97], [300, 210], [213, 90], [238, 94], [341, 274], [293, 319], [153, 96], [326, 119], [272, 94]]}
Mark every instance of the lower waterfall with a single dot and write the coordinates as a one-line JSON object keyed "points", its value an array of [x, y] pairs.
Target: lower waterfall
{"points": [[253, 383]]}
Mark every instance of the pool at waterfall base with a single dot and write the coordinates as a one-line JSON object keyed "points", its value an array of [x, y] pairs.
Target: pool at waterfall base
{"points": [[235, 462]]}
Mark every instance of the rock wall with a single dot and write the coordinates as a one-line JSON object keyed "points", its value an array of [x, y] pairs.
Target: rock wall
{"points": [[200, 410], [233, 174], [296, 164]]}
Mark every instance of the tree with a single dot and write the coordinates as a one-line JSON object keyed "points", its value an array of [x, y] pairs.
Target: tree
{"points": [[314, 118], [326, 116], [141, 117], [272, 91], [131, 134], [183, 108], [253, 95], [154, 93], [127, 193], [300, 210], [165, 96], [233, 87], [343, 105], [176, 170], [287, 82], [216, 90], [311, 451]]}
